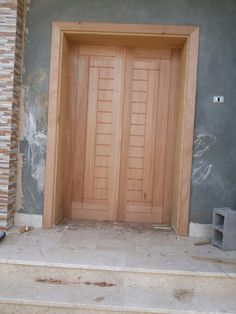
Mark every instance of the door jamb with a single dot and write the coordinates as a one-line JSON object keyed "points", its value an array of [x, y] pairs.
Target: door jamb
{"points": [[186, 108]]}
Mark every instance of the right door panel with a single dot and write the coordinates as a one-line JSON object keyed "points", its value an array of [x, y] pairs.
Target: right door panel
{"points": [[144, 143]]}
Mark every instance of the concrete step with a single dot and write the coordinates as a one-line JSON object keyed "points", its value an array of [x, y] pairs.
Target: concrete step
{"points": [[68, 288]]}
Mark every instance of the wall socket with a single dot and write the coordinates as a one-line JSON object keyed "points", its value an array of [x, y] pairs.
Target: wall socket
{"points": [[218, 99]]}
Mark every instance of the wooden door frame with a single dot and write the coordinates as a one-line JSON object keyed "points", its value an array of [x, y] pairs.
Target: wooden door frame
{"points": [[185, 116]]}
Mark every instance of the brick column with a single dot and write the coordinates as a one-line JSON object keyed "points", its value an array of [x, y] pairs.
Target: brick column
{"points": [[12, 14]]}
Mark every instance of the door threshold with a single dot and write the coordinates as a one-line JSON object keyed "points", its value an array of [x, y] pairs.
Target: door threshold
{"points": [[79, 224]]}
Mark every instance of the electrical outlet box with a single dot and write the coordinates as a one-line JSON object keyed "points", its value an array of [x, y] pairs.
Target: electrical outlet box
{"points": [[218, 99]]}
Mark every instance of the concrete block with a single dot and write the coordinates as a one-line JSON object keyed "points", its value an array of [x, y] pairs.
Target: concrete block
{"points": [[224, 229]]}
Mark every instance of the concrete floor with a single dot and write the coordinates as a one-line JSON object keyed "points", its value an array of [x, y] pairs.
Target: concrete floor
{"points": [[115, 246]]}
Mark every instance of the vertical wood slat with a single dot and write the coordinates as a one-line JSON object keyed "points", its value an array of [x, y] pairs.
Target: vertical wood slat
{"points": [[171, 137], [161, 134], [90, 150], [53, 129], [67, 127], [127, 109], [63, 178], [118, 91], [81, 125], [150, 136]]}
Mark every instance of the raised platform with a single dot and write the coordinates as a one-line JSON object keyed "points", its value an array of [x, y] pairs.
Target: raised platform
{"points": [[113, 268]]}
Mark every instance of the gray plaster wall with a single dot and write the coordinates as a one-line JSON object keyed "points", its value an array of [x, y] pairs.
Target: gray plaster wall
{"points": [[214, 162]]}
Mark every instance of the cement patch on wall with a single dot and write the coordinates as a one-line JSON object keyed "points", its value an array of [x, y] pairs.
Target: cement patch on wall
{"points": [[213, 175], [33, 141], [35, 221], [200, 230]]}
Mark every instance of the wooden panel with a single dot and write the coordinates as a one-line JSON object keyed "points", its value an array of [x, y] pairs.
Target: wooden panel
{"points": [[134, 185], [137, 119], [105, 62], [88, 213], [140, 75], [104, 117], [152, 53], [127, 111], [96, 50], [90, 206], [134, 196], [107, 73], [145, 137], [140, 217], [138, 208], [150, 135], [171, 137], [104, 128], [105, 106], [150, 41], [136, 151], [97, 132], [101, 194], [105, 95], [137, 141], [135, 173], [103, 150], [136, 163], [54, 107], [112, 28], [144, 208], [103, 139], [106, 84], [175, 219], [117, 132], [140, 85], [63, 179], [151, 65], [184, 137], [101, 183], [99, 172], [137, 130], [161, 131], [90, 150], [102, 161], [139, 108], [139, 96], [80, 135]]}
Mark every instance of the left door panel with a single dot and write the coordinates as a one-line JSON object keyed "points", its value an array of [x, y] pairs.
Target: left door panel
{"points": [[96, 148]]}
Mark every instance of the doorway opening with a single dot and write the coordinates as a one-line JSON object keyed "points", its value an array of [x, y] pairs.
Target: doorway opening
{"points": [[120, 123]]}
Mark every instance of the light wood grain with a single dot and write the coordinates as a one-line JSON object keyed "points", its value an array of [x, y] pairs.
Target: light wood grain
{"points": [[61, 139], [98, 133], [127, 110], [174, 30], [161, 134], [187, 135], [145, 127], [80, 126], [62, 93], [171, 137]]}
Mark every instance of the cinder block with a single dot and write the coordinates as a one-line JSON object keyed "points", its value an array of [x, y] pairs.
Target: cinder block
{"points": [[224, 228]]}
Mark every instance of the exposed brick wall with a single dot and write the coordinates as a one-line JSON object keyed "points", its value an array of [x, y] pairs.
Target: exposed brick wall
{"points": [[12, 14]]}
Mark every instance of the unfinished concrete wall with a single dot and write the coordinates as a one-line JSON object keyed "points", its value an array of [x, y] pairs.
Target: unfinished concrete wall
{"points": [[214, 171], [11, 43]]}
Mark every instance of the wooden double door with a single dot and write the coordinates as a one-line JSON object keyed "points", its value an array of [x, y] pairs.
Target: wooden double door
{"points": [[123, 135]]}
